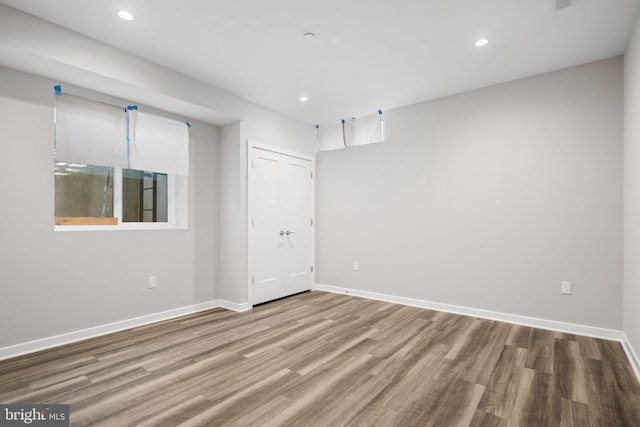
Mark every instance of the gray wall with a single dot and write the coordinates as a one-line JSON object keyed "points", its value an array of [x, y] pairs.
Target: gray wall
{"points": [[487, 199], [57, 282], [233, 261], [35, 261], [631, 291]]}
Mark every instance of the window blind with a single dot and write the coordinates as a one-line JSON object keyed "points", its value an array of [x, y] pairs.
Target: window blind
{"points": [[350, 133], [89, 132], [158, 144], [364, 130], [330, 137]]}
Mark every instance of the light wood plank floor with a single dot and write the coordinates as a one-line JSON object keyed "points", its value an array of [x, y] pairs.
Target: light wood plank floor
{"points": [[320, 359]]}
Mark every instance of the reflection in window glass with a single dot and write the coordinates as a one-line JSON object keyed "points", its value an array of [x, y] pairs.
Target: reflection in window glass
{"points": [[144, 196], [83, 190]]}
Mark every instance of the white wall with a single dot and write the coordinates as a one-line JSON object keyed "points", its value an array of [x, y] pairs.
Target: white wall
{"points": [[631, 291], [58, 282], [487, 199]]}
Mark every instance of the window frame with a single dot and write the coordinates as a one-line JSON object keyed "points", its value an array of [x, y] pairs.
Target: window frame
{"points": [[177, 187]]}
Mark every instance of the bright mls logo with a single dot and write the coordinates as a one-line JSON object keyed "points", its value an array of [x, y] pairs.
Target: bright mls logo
{"points": [[34, 415]]}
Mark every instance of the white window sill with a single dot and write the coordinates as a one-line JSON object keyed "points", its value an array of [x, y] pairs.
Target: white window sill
{"points": [[119, 227]]}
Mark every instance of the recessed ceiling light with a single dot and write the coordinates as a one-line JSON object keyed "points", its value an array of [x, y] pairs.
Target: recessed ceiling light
{"points": [[481, 42], [309, 36], [303, 99], [127, 16]]}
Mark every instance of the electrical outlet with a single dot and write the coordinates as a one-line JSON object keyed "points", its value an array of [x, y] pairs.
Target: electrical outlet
{"points": [[565, 288], [152, 282], [356, 266]]}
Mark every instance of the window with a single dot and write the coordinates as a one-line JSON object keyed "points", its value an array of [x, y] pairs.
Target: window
{"points": [[118, 168], [84, 194], [144, 196]]}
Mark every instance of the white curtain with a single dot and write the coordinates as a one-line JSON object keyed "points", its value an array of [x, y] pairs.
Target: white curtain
{"points": [[90, 133], [158, 144]]}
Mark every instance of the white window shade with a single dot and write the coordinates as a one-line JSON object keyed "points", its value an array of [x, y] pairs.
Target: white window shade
{"points": [[364, 130], [158, 144], [330, 137], [89, 132], [350, 133]]}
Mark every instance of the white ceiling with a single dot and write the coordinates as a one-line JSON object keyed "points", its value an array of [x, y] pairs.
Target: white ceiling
{"points": [[367, 54]]}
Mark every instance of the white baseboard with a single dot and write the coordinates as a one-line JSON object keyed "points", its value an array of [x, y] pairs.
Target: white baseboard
{"points": [[71, 337], [83, 334], [631, 355], [571, 328], [552, 325], [234, 306]]}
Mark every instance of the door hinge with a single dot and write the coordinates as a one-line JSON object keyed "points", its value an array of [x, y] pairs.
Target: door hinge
{"points": [[252, 164], [311, 175], [252, 222], [252, 280], [312, 268], [311, 221]]}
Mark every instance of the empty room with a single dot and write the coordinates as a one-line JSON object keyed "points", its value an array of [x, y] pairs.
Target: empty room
{"points": [[356, 213]]}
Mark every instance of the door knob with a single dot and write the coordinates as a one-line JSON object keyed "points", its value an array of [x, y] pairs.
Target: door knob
{"points": [[290, 232], [282, 232]]}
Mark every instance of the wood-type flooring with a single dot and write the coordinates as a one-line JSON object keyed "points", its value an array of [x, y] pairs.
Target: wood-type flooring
{"points": [[322, 359]]}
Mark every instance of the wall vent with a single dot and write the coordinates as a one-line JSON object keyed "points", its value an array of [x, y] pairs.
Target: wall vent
{"points": [[563, 4]]}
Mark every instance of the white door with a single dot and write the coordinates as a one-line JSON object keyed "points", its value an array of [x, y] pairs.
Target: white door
{"points": [[281, 224]]}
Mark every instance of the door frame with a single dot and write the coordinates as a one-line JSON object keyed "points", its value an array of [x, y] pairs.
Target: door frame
{"points": [[251, 146]]}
